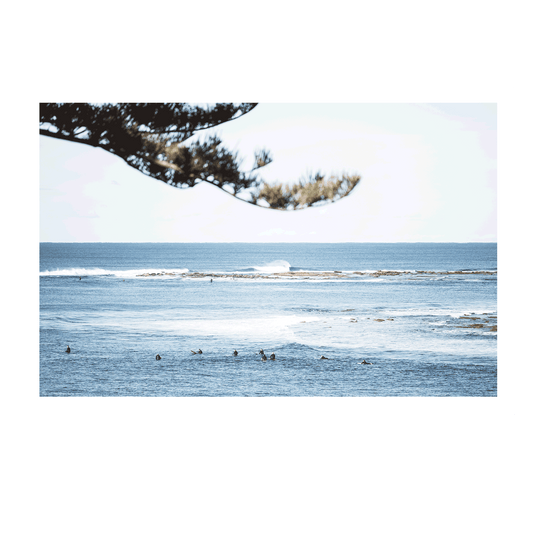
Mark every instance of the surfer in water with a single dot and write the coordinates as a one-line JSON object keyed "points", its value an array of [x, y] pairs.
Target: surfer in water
{"points": [[263, 357], [273, 356], [365, 363], [157, 357], [261, 352], [68, 347], [235, 352], [324, 357], [198, 352]]}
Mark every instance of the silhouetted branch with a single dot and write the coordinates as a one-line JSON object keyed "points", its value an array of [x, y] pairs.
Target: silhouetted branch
{"points": [[315, 190], [58, 135], [150, 138]]}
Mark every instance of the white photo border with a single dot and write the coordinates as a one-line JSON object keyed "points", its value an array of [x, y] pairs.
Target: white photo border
{"points": [[31, 404]]}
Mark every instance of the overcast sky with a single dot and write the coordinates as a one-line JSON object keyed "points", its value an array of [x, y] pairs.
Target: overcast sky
{"points": [[428, 174]]}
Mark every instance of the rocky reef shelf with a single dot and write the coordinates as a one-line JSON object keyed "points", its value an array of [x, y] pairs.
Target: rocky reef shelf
{"points": [[321, 275]]}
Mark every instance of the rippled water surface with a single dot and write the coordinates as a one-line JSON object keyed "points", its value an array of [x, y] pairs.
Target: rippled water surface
{"points": [[426, 331]]}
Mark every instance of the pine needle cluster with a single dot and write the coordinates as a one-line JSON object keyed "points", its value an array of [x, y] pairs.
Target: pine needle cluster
{"points": [[155, 139]]}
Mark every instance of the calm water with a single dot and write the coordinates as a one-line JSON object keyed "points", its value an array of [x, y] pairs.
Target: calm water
{"points": [[409, 325]]}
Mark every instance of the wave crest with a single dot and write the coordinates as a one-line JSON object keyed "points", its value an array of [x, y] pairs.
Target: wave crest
{"points": [[274, 267], [103, 272]]}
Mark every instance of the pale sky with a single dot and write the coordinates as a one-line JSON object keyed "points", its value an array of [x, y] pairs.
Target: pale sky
{"points": [[428, 175]]}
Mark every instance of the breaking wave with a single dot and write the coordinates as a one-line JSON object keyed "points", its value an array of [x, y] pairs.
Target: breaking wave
{"points": [[103, 272], [272, 268]]}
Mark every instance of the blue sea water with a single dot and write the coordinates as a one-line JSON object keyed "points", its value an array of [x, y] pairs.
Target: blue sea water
{"points": [[414, 327]]}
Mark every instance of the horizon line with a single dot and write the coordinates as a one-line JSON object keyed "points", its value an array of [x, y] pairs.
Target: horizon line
{"points": [[263, 242]]}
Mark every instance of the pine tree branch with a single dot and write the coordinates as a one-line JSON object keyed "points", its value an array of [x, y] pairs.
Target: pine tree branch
{"points": [[131, 132]]}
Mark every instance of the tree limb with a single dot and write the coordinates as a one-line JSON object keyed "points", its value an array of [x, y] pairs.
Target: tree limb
{"points": [[150, 138]]}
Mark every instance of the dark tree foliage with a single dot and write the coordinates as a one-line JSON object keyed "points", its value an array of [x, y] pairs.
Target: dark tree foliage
{"points": [[152, 138]]}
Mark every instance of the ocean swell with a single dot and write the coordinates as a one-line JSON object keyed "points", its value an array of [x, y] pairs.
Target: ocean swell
{"points": [[81, 272], [273, 268]]}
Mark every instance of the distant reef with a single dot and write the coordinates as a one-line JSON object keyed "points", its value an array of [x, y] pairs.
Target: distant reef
{"points": [[322, 275]]}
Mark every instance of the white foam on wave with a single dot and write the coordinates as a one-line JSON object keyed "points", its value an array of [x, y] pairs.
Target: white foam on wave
{"points": [[258, 328], [427, 272], [454, 313], [426, 312], [273, 267], [118, 273]]}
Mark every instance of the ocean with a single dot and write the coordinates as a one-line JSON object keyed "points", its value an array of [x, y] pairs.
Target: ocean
{"points": [[424, 315]]}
